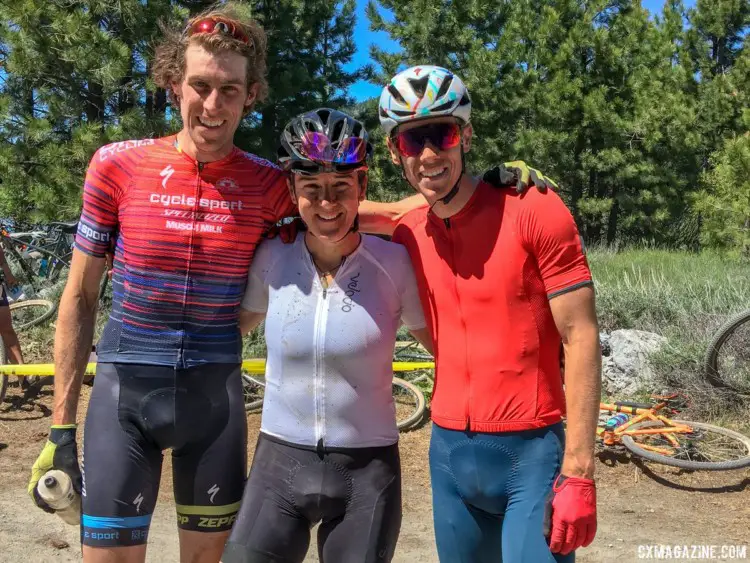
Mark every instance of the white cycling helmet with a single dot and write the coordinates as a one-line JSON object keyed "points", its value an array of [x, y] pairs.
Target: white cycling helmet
{"points": [[421, 92]]}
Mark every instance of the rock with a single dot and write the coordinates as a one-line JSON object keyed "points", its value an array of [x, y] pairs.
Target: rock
{"points": [[626, 369]]}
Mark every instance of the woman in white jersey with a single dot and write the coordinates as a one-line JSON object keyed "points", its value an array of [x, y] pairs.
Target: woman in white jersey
{"points": [[332, 300]]}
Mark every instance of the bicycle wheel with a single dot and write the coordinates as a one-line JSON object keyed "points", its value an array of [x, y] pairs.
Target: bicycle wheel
{"points": [[410, 403], [253, 388], [727, 361], [708, 447], [31, 312]]}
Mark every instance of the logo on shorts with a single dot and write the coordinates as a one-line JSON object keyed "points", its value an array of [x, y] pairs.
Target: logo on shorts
{"points": [[212, 491], [137, 502]]}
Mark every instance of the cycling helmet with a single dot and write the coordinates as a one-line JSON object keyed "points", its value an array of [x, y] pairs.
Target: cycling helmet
{"points": [[421, 92], [323, 140]]}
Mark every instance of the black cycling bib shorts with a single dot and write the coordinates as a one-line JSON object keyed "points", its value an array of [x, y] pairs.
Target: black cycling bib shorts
{"points": [[355, 494], [136, 412]]}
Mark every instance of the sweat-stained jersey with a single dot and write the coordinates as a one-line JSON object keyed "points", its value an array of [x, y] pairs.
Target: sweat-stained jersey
{"points": [[186, 235]]}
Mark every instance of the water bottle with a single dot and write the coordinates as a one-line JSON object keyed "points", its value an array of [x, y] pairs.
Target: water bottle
{"points": [[56, 489], [617, 420], [43, 268]]}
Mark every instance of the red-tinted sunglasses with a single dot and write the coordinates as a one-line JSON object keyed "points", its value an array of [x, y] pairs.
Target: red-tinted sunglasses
{"points": [[442, 136], [219, 25]]}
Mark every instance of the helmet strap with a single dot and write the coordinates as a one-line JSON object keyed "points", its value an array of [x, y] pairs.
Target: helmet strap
{"points": [[446, 199]]}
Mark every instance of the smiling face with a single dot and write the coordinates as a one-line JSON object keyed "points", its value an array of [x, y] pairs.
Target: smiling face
{"points": [[432, 171], [213, 99], [328, 202]]}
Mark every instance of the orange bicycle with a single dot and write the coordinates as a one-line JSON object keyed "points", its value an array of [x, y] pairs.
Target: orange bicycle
{"points": [[646, 431]]}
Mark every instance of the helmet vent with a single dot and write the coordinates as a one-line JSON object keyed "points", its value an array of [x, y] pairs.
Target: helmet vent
{"points": [[442, 107], [396, 94], [419, 85], [444, 87]]}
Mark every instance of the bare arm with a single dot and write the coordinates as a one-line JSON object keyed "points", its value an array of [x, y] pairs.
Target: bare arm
{"points": [[381, 218], [75, 333], [424, 337], [575, 317], [249, 320]]}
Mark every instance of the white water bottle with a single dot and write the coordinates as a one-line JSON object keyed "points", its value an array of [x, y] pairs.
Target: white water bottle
{"points": [[56, 489]]}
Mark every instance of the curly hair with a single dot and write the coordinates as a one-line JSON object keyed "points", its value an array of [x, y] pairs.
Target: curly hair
{"points": [[168, 65]]}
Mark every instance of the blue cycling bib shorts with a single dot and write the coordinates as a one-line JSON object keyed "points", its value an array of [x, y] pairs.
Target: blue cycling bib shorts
{"points": [[489, 493]]}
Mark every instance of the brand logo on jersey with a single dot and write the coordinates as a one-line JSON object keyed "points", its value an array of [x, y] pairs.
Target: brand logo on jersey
{"points": [[137, 502], [227, 184], [351, 289], [166, 174], [212, 491], [114, 148], [189, 201]]}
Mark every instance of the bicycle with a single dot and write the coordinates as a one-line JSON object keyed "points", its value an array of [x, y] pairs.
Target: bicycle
{"points": [[650, 434], [409, 399], [42, 254], [727, 360]]}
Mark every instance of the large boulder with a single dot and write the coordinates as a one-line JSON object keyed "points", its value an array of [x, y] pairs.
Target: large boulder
{"points": [[625, 366]]}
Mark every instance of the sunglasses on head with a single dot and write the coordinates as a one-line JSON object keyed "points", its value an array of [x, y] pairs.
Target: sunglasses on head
{"points": [[318, 147], [219, 25], [442, 136]]}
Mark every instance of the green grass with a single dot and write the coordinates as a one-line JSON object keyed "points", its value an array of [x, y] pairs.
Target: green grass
{"points": [[683, 296]]}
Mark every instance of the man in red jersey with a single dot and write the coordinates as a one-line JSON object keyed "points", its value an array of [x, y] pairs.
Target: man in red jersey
{"points": [[503, 281]]}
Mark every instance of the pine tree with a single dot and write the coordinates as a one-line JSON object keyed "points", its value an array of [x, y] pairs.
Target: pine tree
{"points": [[75, 77]]}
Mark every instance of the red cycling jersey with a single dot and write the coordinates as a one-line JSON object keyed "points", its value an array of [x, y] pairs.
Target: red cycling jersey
{"points": [[485, 278], [186, 234]]}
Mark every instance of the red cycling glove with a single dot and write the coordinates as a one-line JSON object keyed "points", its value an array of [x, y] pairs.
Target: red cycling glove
{"points": [[570, 516]]}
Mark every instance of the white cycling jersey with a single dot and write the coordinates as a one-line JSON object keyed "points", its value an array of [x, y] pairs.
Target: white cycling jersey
{"points": [[328, 372]]}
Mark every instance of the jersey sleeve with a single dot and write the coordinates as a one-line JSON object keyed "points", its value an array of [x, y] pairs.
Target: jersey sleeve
{"points": [[256, 291], [105, 179], [412, 314], [550, 233], [278, 200]]}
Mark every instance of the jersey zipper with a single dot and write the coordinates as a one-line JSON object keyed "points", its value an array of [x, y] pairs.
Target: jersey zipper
{"points": [[199, 168], [321, 320], [467, 408]]}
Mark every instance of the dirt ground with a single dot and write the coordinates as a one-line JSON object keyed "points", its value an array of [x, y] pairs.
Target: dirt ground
{"points": [[639, 505]]}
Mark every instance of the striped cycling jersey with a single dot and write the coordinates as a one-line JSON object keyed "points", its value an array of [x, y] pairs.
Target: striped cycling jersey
{"points": [[186, 234]]}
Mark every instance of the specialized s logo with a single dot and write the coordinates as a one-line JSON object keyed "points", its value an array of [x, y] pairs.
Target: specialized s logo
{"points": [[351, 289], [137, 502], [166, 174], [212, 492]]}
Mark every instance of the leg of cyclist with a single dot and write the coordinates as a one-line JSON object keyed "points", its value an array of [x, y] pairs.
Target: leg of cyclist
{"points": [[463, 533], [209, 473], [269, 527], [539, 455], [369, 530], [121, 473]]}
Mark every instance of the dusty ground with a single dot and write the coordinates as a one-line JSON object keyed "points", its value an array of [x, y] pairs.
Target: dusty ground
{"points": [[639, 505]]}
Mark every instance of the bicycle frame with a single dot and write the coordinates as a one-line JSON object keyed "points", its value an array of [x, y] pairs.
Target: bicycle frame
{"points": [[642, 413]]}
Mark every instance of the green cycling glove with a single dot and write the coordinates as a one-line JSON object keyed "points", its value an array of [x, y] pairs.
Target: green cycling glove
{"points": [[518, 174], [60, 452]]}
